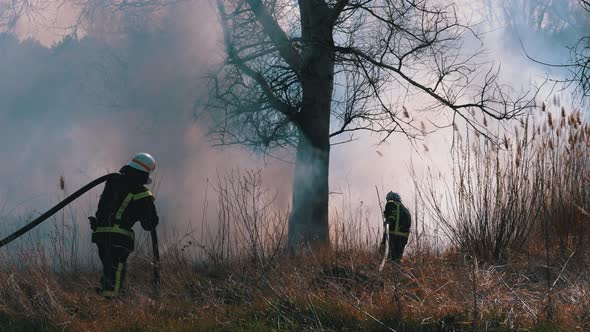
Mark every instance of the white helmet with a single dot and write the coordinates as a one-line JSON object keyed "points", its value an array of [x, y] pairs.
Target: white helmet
{"points": [[143, 162]]}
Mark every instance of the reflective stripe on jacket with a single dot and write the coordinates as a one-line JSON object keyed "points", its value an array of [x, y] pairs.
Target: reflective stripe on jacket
{"points": [[394, 220], [120, 211], [123, 202]]}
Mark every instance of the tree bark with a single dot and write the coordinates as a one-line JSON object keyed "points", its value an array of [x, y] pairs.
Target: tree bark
{"points": [[308, 223]]}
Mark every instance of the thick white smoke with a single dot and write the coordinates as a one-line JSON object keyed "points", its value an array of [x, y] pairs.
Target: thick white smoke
{"points": [[82, 107]]}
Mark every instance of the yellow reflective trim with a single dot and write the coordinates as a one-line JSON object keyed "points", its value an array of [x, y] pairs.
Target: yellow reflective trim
{"points": [[396, 230], [118, 278], [115, 229], [121, 210], [142, 195], [400, 233], [128, 199]]}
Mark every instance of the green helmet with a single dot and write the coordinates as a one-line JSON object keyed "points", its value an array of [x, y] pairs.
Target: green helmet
{"points": [[391, 196]]}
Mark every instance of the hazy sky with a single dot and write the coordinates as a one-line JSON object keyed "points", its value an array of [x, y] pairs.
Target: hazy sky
{"points": [[82, 108]]}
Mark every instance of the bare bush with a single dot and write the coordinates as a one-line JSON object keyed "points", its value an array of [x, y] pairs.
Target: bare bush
{"points": [[529, 190], [494, 197], [247, 209], [249, 226]]}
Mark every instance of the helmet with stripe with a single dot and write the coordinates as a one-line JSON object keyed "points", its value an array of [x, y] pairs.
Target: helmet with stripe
{"points": [[143, 162]]}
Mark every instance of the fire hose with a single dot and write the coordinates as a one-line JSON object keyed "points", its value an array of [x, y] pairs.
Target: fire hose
{"points": [[66, 202]]}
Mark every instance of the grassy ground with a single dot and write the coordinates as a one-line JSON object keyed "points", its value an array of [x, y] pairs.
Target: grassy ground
{"points": [[341, 292], [520, 210]]}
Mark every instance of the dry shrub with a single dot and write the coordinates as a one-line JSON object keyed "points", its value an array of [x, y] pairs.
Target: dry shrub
{"points": [[527, 193]]}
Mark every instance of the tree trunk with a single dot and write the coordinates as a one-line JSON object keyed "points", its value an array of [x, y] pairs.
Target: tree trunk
{"points": [[308, 223]]}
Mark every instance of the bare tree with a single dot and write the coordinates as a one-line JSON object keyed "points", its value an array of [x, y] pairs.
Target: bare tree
{"points": [[300, 74]]}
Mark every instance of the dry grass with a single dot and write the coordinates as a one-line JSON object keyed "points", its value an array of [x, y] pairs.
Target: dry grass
{"points": [[528, 189], [237, 276], [331, 292]]}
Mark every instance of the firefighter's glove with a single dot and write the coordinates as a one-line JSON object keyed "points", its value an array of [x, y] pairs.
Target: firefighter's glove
{"points": [[93, 223]]}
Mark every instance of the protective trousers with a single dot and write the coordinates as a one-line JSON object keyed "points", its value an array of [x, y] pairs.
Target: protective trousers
{"points": [[397, 245], [114, 263]]}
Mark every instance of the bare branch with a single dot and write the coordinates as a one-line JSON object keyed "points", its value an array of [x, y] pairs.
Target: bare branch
{"points": [[241, 64], [276, 34], [384, 52], [481, 104], [338, 8]]}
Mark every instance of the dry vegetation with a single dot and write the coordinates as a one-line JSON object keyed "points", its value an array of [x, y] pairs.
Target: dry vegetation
{"points": [[333, 292], [515, 217]]}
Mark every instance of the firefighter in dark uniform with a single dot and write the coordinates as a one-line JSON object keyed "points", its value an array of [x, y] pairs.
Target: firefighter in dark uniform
{"points": [[124, 201], [398, 218]]}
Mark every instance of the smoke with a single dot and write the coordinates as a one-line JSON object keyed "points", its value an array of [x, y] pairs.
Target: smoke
{"points": [[82, 106], [508, 35]]}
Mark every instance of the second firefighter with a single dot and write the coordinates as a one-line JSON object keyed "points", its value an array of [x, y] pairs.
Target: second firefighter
{"points": [[399, 221]]}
